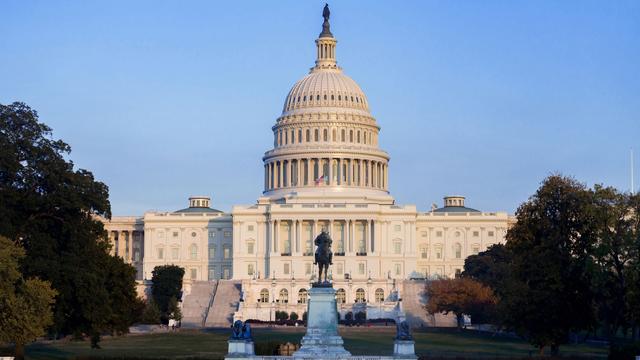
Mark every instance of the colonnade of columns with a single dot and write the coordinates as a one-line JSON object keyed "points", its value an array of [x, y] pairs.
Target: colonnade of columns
{"points": [[325, 171], [351, 237], [122, 241]]}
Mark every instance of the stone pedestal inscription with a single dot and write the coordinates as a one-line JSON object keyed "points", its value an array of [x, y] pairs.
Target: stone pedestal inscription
{"points": [[322, 339]]}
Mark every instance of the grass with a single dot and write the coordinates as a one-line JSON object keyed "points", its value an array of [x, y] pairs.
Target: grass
{"points": [[212, 344]]}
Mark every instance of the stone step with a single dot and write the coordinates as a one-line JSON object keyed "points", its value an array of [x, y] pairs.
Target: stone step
{"points": [[225, 304]]}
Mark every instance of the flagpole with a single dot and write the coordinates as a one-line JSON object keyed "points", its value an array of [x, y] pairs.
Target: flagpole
{"points": [[633, 189]]}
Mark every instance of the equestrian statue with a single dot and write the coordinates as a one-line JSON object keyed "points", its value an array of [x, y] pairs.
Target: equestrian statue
{"points": [[324, 255]]}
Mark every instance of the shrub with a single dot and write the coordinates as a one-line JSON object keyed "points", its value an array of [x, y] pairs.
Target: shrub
{"points": [[293, 316]]}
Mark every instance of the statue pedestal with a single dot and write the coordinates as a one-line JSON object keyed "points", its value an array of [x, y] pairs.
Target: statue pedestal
{"points": [[240, 348], [322, 340], [404, 349]]}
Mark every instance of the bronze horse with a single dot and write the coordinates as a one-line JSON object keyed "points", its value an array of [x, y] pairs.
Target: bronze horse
{"points": [[324, 255]]}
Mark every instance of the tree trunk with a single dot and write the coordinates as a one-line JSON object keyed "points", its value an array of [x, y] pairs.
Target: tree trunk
{"points": [[460, 321], [541, 351], [19, 351], [555, 349]]}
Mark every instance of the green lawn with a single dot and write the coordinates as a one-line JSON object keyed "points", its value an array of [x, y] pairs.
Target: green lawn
{"points": [[360, 341]]}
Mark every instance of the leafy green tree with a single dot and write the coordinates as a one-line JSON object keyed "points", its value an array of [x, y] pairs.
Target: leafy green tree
{"points": [[459, 296], [293, 316], [25, 304], [490, 267], [174, 310], [151, 313], [549, 293], [53, 211], [615, 253], [166, 283]]}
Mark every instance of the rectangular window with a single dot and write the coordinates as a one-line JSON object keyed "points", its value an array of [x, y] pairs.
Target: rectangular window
{"points": [[307, 269], [212, 274], [340, 268], [490, 233], [438, 253], [250, 269], [227, 253], [226, 273], [397, 228], [175, 234], [212, 234], [361, 268], [397, 247], [250, 228], [476, 233], [424, 252], [439, 233], [475, 250], [160, 253], [424, 234], [250, 248], [136, 255], [212, 252], [286, 269], [194, 274], [175, 253], [398, 269], [227, 234]]}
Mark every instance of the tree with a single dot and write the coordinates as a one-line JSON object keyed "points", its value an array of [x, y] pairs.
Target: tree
{"points": [[151, 313], [459, 296], [25, 304], [549, 293], [166, 283], [53, 211], [174, 310], [615, 253], [490, 267], [293, 316]]}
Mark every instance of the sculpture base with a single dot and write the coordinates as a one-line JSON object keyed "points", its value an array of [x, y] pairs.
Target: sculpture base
{"points": [[240, 349], [322, 339], [404, 349]]}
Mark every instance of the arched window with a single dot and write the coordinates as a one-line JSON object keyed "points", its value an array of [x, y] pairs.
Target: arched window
{"points": [[299, 136], [317, 97], [358, 137], [379, 295], [316, 135], [341, 296], [360, 296], [333, 135], [302, 296], [325, 135], [264, 296], [342, 135], [308, 135], [193, 252], [284, 296], [457, 249], [350, 135]]}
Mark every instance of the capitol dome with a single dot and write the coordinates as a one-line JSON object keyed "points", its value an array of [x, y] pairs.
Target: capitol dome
{"points": [[325, 88], [326, 140]]}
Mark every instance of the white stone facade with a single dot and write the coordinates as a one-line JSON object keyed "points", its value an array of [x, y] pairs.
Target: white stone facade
{"points": [[325, 171]]}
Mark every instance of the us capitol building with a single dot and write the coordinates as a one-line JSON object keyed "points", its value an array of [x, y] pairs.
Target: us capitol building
{"points": [[325, 171]]}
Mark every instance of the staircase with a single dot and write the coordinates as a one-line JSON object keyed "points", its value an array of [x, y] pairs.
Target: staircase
{"points": [[196, 304], [414, 300], [225, 304]]}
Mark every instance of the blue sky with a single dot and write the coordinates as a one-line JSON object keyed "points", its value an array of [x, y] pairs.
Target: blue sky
{"points": [[165, 99]]}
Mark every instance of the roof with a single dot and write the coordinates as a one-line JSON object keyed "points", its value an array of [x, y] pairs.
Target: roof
{"points": [[456, 209], [198, 210]]}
